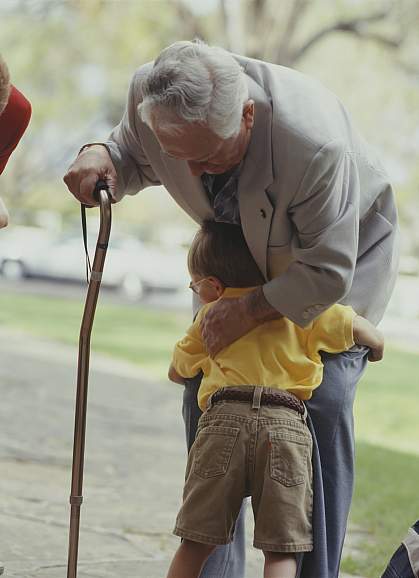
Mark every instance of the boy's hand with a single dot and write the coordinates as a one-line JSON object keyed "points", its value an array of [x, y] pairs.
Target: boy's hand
{"points": [[174, 376], [366, 334]]}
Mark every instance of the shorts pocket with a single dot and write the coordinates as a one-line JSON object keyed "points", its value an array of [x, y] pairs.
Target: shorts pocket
{"points": [[212, 449], [290, 457]]}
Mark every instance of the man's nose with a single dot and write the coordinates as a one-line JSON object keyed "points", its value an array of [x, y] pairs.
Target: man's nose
{"points": [[196, 168]]}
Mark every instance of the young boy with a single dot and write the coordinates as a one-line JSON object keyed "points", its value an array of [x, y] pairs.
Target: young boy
{"points": [[252, 438]]}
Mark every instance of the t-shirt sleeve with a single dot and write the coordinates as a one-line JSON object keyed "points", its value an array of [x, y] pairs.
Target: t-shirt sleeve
{"points": [[332, 331], [189, 354]]}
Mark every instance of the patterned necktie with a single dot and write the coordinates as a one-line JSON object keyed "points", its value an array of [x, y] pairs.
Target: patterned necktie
{"points": [[222, 194]]}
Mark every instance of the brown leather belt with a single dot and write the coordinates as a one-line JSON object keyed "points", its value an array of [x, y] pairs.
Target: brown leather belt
{"points": [[270, 397]]}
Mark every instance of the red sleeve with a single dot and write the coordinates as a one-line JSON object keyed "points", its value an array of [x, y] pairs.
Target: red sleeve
{"points": [[13, 123]]}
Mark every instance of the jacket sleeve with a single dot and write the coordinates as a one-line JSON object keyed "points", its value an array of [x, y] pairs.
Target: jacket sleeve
{"points": [[324, 212], [124, 144], [189, 355]]}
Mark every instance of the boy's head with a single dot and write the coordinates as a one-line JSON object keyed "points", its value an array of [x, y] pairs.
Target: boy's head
{"points": [[219, 257]]}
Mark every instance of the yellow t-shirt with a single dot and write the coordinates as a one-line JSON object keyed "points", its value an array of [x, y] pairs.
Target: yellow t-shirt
{"points": [[277, 353]]}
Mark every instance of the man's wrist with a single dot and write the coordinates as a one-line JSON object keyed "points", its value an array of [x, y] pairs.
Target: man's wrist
{"points": [[95, 144], [258, 308]]}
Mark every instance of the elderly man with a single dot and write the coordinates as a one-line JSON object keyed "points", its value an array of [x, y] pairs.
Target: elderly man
{"points": [[272, 150]]}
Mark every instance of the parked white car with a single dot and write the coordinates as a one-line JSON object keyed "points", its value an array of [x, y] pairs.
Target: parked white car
{"points": [[131, 266], [19, 250]]}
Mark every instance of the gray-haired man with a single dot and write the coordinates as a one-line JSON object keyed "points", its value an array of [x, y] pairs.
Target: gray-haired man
{"points": [[272, 150]]}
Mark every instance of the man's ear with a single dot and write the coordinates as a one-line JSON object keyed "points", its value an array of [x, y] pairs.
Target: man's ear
{"points": [[249, 113]]}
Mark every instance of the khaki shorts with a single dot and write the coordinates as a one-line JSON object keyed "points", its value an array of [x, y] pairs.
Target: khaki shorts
{"points": [[242, 451]]}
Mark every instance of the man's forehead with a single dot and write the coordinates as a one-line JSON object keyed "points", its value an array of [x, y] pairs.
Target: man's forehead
{"points": [[190, 141]]}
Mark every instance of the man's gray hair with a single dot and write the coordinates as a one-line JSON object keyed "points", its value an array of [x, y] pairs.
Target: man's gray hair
{"points": [[194, 82], [4, 84]]}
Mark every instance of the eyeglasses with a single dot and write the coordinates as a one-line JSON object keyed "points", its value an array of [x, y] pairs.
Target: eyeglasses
{"points": [[195, 286], [214, 153]]}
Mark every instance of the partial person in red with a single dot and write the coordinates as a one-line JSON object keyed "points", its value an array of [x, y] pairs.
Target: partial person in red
{"points": [[15, 112]]}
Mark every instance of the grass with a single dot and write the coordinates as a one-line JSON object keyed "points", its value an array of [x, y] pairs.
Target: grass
{"points": [[387, 403], [387, 459], [385, 504], [128, 332], [386, 412]]}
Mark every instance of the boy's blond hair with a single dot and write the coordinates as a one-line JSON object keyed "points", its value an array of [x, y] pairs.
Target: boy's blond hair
{"points": [[4, 84]]}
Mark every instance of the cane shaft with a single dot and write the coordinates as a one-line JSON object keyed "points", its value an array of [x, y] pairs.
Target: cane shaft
{"points": [[76, 496]]}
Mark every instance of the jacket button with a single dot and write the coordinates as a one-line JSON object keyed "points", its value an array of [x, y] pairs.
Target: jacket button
{"points": [[263, 213]]}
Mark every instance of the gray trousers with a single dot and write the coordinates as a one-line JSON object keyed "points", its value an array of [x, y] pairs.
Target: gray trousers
{"points": [[331, 423]]}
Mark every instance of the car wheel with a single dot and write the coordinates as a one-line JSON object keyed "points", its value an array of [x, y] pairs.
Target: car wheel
{"points": [[13, 270], [132, 287]]}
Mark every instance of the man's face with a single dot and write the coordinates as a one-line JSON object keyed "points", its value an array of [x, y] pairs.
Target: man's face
{"points": [[202, 149]]}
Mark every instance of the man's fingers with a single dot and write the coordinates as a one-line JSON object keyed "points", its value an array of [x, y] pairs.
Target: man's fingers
{"points": [[81, 187], [70, 181], [87, 186], [91, 165], [110, 179], [211, 341]]}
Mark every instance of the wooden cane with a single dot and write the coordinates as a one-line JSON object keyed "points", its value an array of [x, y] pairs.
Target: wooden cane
{"points": [[76, 497]]}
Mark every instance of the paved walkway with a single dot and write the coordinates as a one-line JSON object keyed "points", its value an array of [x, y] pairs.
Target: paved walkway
{"points": [[135, 458]]}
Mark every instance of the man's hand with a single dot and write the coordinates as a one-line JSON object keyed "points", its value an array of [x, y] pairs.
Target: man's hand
{"points": [[365, 333], [92, 164], [229, 319]]}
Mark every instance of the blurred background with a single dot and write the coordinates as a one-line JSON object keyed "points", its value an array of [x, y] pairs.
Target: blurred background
{"points": [[73, 60]]}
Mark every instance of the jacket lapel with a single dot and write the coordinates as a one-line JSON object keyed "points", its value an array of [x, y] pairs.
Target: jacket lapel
{"points": [[186, 189], [255, 177]]}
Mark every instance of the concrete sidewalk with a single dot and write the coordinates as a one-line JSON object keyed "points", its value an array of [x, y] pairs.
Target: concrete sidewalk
{"points": [[135, 459]]}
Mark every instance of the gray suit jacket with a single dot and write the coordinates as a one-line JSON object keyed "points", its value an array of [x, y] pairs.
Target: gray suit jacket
{"points": [[316, 206]]}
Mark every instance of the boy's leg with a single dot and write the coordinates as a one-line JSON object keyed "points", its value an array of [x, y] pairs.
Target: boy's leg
{"points": [[279, 565], [225, 561], [189, 559], [331, 413]]}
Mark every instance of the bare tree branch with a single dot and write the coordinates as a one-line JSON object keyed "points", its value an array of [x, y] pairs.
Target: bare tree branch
{"points": [[224, 18], [233, 25], [283, 52], [357, 26], [191, 25], [255, 23], [409, 69]]}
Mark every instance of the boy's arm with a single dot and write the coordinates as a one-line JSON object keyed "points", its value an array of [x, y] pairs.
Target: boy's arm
{"points": [[339, 328], [365, 333], [332, 331], [189, 354]]}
